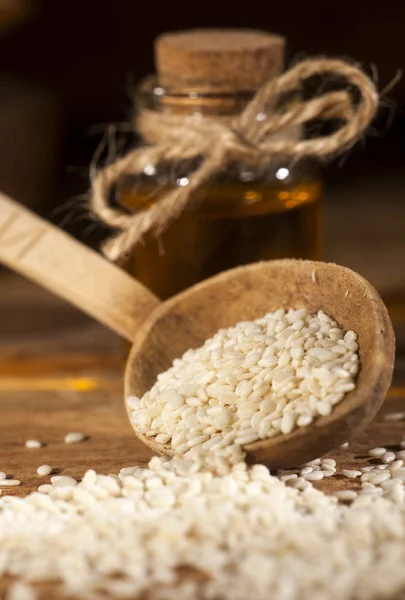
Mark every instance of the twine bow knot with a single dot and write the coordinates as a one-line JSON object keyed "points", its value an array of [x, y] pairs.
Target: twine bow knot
{"points": [[246, 137]]}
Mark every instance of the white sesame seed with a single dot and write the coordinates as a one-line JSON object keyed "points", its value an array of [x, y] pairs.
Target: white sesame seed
{"points": [[74, 437], [21, 591], [377, 452], [3, 475], [306, 470], [314, 476], [314, 463], [44, 470], [9, 482], [331, 462], [351, 473], [64, 480], [33, 444], [288, 477], [397, 464], [387, 457], [380, 477], [345, 495], [395, 416]]}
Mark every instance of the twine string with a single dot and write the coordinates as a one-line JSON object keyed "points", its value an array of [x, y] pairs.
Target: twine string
{"points": [[217, 141]]}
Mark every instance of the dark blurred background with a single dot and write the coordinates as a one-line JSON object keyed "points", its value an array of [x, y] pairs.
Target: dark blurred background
{"points": [[84, 56], [68, 68]]}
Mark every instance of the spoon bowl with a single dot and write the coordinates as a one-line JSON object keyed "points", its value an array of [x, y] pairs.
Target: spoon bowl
{"points": [[247, 293]]}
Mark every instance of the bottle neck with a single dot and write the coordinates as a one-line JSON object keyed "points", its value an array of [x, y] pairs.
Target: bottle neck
{"points": [[203, 101]]}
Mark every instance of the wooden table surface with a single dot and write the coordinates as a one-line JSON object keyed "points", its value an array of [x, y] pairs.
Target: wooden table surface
{"points": [[60, 371]]}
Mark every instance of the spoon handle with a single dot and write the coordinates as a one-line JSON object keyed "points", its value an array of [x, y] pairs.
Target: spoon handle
{"points": [[43, 253]]}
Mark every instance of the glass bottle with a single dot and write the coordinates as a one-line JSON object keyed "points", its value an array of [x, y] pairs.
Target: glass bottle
{"points": [[246, 213]]}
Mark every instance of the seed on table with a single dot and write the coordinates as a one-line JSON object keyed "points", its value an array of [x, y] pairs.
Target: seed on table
{"points": [[367, 475], [3, 475], [380, 477], [329, 461], [399, 473], [9, 482], [395, 416], [44, 470], [377, 452], [345, 495], [33, 444], [374, 491], [314, 476], [44, 488], [288, 477], [65, 480], [306, 470], [387, 457], [401, 454], [328, 472], [74, 437], [351, 473], [391, 483], [394, 466], [295, 482]]}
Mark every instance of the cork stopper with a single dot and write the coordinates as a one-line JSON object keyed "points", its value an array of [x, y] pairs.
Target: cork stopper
{"points": [[224, 59]]}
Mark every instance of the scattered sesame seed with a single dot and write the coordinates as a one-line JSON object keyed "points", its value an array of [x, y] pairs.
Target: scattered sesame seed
{"points": [[314, 476], [74, 437], [3, 475], [387, 457], [33, 444], [351, 473], [377, 452], [9, 482], [44, 470], [395, 416], [345, 495]]}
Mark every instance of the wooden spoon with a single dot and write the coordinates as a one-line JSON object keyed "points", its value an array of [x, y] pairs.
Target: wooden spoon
{"points": [[161, 332]]}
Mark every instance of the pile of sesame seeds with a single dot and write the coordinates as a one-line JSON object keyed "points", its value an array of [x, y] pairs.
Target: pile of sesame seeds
{"points": [[183, 533], [186, 528], [250, 382]]}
